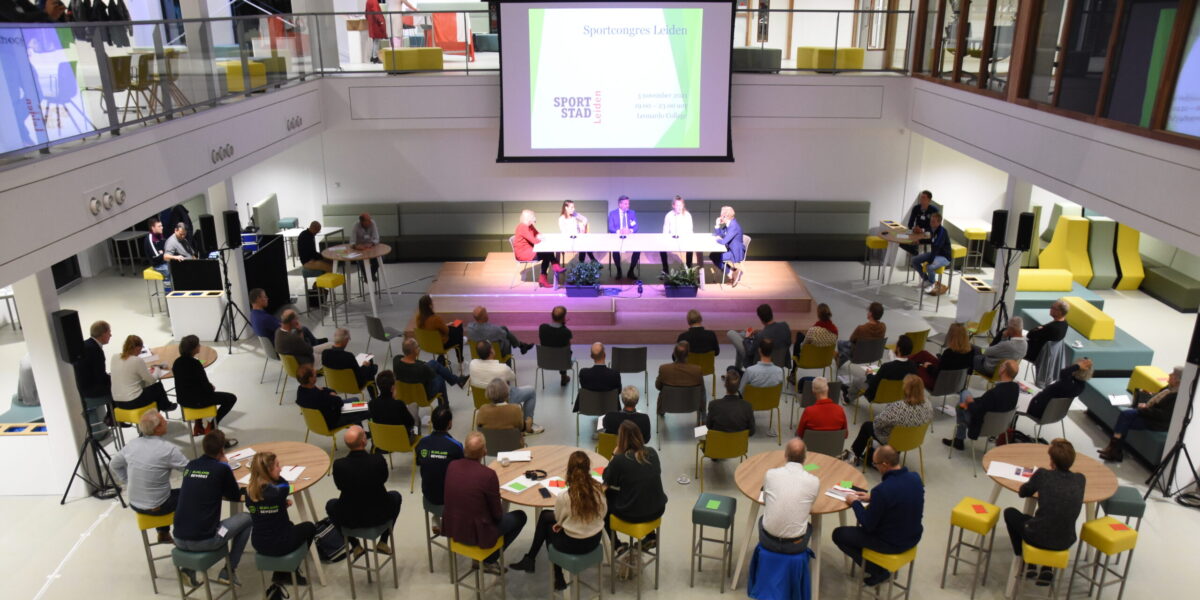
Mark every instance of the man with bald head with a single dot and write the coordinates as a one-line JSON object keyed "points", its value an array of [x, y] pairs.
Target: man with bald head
{"points": [[599, 377], [306, 248], [361, 478], [472, 514], [290, 340], [338, 357], [788, 495], [482, 330], [889, 517]]}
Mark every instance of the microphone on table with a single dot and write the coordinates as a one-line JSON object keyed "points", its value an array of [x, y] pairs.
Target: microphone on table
{"points": [[639, 287]]}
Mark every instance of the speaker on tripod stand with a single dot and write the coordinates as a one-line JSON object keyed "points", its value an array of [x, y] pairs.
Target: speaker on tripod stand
{"points": [[233, 241]]}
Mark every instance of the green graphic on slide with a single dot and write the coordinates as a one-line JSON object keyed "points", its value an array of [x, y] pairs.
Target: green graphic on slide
{"points": [[685, 131], [535, 48]]}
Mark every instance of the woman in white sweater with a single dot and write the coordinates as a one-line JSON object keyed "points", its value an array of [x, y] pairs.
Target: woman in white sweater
{"points": [[573, 223], [133, 384], [677, 222], [577, 521]]}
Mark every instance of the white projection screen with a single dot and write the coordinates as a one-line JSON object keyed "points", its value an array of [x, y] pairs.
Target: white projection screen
{"points": [[618, 80]]}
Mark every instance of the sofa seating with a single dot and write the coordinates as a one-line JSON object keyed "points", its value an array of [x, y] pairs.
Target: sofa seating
{"points": [[411, 59], [1088, 320], [1044, 280], [1148, 445], [1044, 299], [1112, 358], [235, 81], [829, 59]]}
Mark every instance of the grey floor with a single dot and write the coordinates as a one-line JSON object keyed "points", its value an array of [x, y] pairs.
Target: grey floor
{"points": [[67, 551]]}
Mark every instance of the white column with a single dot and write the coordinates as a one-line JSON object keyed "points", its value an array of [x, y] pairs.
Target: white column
{"points": [[1016, 201], [220, 199]]}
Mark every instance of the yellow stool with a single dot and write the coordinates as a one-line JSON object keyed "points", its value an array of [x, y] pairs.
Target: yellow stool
{"points": [[411, 59], [938, 298], [1111, 537], [331, 282], [976, 240], [957, 253], [477, 555], [128, 415], [154, 288], [1055, 559], [196, 414], [235, 82], [874, 243], [146, 523], [979, 517], [633, 558], [892, 563]]}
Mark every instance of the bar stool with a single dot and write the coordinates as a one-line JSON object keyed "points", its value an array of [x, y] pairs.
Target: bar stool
{"points": [[1109, 537], [288, 563], [578, 563], [957, 253], [372, 535], [156, 288], [305, 274], [633, 558], [976, 241], [712, 510], [431, 539], [892, 563], [1057, 560], [873, 243], [201, 562], [477, 556], [331, 282], [196, 414], [146, 523], [128, 415], [979, 517], [1128, 503], [938, 302]]}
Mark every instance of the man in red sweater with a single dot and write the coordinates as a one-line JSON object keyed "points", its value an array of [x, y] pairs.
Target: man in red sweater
{"points": [[825, 415]]}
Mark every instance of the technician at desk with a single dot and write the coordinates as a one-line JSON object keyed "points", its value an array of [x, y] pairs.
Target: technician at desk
{"points": [[177, 246]]}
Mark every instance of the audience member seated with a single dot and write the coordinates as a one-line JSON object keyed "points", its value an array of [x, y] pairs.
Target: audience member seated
{"points": [[291, 340], [576, 524], [957, 354], [207, 484], [272, 532], [889, 516], [155, 242], [306, 248], [177, 247], [1060, 497], [308, 395], [1011, 345], [822, 334], [433, 374], [193, 389], [144, 468], [473, 514], [913, 411], [1149, 412], [628, 412], [764, 373], [365, 501], [485, 369], [970, 411], [731, 413], [825, 414], [134, 384], [633, 483], [265, 324], [452, 335], [337, 357], [1054, 331], [385, 409], [481, 330], [556, 335], [363, 236], [598, 377], [500, 414], [678, 372], [788, 495], [91, 376], [435, 452], [745, 344], [699, 339], [893, 370], [873, 329], [926, 264], [525, 237], [1070, 383]]}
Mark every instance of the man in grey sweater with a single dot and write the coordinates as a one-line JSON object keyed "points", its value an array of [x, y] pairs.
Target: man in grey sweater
{"points": [[144, 465], [1011, 346]]}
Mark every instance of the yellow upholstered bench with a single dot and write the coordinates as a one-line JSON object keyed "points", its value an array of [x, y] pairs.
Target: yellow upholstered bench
{"points": [[1044, 280], [1088, 320], [815, 57], [1068, 249], [1148, 378], [412, 59], [234, 81]]}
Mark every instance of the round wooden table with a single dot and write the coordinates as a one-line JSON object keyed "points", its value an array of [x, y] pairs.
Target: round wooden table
{"points": [[293, 454], [895, 234], [347, 253], [552, 460], [831, 471], [167, 354], [1100, 486]]}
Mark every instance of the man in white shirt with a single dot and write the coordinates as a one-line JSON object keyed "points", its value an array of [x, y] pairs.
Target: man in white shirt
{"points": [[144, 465], [677, 222], [788, 495], [486, 368], [364, 235]]}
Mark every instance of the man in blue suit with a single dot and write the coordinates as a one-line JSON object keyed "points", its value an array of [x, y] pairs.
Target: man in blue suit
{"points": [[729, 232], [624, 222]]}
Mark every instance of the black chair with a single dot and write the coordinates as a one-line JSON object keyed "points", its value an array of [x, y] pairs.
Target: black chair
{"points": [[631, 360], [678, 400]]}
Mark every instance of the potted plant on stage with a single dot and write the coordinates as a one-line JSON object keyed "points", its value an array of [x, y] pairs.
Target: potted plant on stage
{"points": [[681, 283], [583, 279]]}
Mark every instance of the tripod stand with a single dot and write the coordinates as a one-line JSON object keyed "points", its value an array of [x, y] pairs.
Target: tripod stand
{"points": [[1001, 320], [105, 484], [228, 325], [1164, 473]]}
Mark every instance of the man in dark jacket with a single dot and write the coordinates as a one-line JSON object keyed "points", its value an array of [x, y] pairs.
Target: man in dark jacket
{"points": [[325, 400], [91, 377], [385, 409], [337, 357], [971, 411], [192, 388], [1070, 384], [895, 369], [745, 343], [472, 513], [731, 413], [889, 517], [699, 339], [598, 377], [207, 484], [364, 501], [1153, 413], [555, 334], [1054, 331]]}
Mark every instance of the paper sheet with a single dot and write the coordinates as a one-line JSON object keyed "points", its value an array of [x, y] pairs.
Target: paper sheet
{"points": [[291, 473], [838, 492], [518, 485], [1120, 399], [1008, 471], [245, 480], [354, 407], [556, 485], [363, 358], [515, 456], [701, 431], [241, 454], [600, 424]]}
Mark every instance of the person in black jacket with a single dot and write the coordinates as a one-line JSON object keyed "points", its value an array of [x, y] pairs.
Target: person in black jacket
{"points": [[1054, 331], [731, 413], [323, 399], [273, 533], [629, 401], [971, 411], [91, 376], [556, 335], [889, 516], [337, 357], [895, 369], [699, 339], [634, 481], [364, 501], [1152, 413], [598, 377], [1070, 384], [1060, 498], [207, 483], [306, 248], [385, 409], [193, 389]]}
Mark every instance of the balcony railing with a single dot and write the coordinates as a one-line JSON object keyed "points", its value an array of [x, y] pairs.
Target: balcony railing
{"points": [[69, 83]]}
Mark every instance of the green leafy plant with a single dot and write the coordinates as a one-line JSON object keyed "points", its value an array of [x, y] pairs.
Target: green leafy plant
{"points": [[584, 273], [683, 277]]}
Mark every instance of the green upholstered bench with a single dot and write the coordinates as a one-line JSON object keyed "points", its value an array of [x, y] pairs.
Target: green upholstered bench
{"points": [[1146, 444], [1045, 299], [752, 59], [1112, 358], [19, 413], [831, 229], [451, 230], [1173, 288]]}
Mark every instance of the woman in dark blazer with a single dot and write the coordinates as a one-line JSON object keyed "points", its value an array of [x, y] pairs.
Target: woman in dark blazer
{"points": [[193, 389]]}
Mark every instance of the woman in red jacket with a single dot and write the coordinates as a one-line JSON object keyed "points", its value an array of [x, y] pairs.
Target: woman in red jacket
{"points": [[525, 238]]}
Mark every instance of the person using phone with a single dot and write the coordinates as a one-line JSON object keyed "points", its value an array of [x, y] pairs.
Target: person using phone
{"points": [[729, 232], [889, 516]]}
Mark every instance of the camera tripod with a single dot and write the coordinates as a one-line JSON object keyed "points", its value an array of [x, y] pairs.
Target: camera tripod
{"points": [[228, 324], [105, 484]]}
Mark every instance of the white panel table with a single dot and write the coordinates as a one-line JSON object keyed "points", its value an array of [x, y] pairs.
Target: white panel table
{"points": [[634, 242]]}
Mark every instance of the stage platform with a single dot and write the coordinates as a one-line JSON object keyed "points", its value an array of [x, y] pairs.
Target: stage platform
{"points": [[619, 315]]}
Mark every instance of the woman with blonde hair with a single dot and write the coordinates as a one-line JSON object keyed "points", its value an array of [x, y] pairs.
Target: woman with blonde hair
{"points": [[272, 532], [573, 223], [525, 238], [677, 222], [134, 384], [913, 410], [577, 521], [634, 480], [957, 353]]}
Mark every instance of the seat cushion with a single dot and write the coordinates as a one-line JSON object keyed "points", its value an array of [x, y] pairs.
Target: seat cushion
{"points": [[1033, 555], [1044, 280], [412, 59], [714, 510], [891, 562], [576, 563], [198, 561], [1109, 535], [1127, 502], [975, 515]]}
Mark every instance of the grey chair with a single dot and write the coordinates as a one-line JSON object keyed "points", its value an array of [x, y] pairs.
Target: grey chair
{"points": [[531, 265], [595, 404], [867, 351], [807, 398], [678, 400], [631, 360], [1055, 412], [994, 424], [829, 443], [555, 359], [948, 383], [370, 537], [502, 440], [377, 331], [268, 346]]}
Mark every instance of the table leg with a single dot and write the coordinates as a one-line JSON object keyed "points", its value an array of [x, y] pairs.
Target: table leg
{"points": [[814, 565], [384, 282], [370, 288], [701, 271], [1010, 586], [303, 500], [995, 493], [751, 532]]}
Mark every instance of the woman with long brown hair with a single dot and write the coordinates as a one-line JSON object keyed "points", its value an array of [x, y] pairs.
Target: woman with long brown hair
{"points": [[273, 533], [634, 480], [452, 335], [957, 353], [577, 521]]}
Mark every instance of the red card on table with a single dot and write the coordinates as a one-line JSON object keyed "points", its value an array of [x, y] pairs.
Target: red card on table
{"points": [[1119, 526], [557, 483], [979, 508], [456, 323], [598, 470]]}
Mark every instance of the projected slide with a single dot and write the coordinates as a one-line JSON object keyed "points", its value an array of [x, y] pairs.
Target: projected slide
{"points": [[1185, 106], [630, 80]]}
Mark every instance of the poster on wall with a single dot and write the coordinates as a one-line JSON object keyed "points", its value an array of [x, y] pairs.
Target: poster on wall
{"points": [[764, 20]]}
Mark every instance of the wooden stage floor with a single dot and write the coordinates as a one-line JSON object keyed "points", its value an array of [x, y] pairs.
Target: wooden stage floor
{"points": [[619, 315]]}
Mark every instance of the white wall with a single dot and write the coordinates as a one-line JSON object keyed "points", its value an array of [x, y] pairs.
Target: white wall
{"points": [[296, 175], [967, 188]]}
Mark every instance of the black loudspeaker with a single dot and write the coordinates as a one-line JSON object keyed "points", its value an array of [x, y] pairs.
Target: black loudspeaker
{"points": [[68, 337], [1024, 231], [208, 234], [999, 228], [233, 229]]}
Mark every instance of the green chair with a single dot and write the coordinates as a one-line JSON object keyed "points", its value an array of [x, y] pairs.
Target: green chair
{"points": [[712, 510], [344, 381], [888, 391], [707, 363], [201, 562], [575, 564], [372, 535], [288, 563]]}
